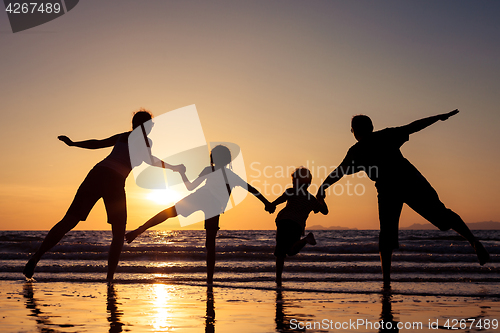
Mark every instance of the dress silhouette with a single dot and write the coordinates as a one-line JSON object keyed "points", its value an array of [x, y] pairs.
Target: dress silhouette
{"points": [[211, 198]]}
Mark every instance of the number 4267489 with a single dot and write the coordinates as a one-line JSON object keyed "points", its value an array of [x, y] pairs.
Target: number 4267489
{"points": [[455, 324], [32, 8]]}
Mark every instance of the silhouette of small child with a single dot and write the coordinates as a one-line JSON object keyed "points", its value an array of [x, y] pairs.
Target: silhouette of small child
{"points": [[291, 220]]}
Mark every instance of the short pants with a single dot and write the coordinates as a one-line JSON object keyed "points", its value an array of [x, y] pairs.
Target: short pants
{"points": [[101, 182], [420, 196], [288, 232]]}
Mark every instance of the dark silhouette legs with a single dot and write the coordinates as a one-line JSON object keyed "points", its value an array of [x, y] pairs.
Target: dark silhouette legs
{"points": [[299, 245], [451, 220], [155, 220], [62, 228], [211, 234], [296, 248], [440, 217], [115, 249], [53, 237], [280, 263], [211, 225], [462, 229], [386, 261], [389, 211]]}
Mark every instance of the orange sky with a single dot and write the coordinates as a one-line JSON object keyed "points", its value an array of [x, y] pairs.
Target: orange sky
{"points": [[279, 78]]}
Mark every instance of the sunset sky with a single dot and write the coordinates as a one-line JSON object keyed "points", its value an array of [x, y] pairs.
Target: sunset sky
{"points": [[281, 79]]}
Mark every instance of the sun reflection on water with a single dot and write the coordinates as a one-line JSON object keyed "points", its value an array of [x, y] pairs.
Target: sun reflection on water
{"points": [[162, 236], [162, 320]]}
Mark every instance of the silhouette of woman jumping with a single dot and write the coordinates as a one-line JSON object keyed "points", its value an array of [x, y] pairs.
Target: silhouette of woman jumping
{"points": [[107, 181]]}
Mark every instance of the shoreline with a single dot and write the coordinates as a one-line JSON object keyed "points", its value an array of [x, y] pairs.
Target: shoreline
{"points": [[162, 307]]}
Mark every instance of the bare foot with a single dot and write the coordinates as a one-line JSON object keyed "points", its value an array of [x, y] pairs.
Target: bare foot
{"points": [[481, 252], [310, 239], [110, 278], [131, 235], [29, 269]]}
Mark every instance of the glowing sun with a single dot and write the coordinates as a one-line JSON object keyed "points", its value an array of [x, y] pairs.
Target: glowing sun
{"points": [[164, 197]]}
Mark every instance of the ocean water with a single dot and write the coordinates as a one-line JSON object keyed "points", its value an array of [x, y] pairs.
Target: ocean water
{"points": [[428, 262]]}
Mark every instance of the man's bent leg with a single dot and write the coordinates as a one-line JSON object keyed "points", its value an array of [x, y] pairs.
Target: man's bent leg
{"points": [[457, 224], [429, 206]]}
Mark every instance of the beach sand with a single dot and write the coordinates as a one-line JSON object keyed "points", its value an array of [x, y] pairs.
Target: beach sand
{"points": [[163, 307]]}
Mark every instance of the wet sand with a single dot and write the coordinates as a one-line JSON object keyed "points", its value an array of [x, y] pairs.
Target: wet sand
{"points": [[157, 307]]}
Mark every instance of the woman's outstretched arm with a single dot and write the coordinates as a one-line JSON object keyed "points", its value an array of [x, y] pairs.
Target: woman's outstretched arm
{"points": [[93, 143], [155, 161]]}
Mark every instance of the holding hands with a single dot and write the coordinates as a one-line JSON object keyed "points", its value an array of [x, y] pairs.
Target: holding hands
{"points": [[270, 207], [180, 168], [321, 194]]}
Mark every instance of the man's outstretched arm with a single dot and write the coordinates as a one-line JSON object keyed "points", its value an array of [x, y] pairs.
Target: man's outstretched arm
{"points": [[420, 124], [329, 181], [346, 167], [332, 178]]}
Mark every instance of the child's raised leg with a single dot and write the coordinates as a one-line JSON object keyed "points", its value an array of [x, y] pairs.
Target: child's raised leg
{"points": [[299, 245], [155, 220]]}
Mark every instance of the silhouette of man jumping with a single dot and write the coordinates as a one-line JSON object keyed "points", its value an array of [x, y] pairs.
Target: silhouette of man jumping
{"points": [[397, 182]]}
